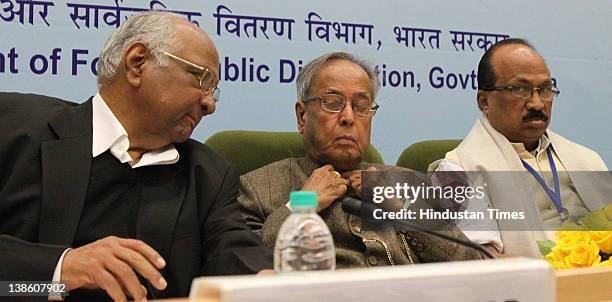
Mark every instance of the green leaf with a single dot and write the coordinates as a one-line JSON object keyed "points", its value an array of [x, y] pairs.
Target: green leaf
{"points": [[600, 220], [570, 226], [545, 246]]}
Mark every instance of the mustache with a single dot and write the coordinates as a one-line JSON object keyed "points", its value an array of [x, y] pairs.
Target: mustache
{"points": [[535, 115]]}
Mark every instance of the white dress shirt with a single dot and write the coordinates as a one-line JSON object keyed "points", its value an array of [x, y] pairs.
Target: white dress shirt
{"points": [[108, 133]]}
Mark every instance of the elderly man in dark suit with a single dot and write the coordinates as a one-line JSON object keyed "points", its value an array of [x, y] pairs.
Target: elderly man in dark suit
{"points": [[334, 113], [111, 197]]}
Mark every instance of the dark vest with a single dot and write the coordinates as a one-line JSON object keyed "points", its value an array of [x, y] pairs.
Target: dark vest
{"points": [[111, 206]]}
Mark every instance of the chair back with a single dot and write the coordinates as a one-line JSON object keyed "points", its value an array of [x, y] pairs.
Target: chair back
{"points": [[249, 150], [420, 155]]}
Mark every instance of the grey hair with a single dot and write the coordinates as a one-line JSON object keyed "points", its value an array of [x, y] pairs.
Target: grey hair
{"points": [[304, 78], [156, 29]]}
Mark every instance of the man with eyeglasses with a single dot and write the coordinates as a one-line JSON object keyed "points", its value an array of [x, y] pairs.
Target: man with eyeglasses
{"points": [[538, 167], [111, 197], [335, 107]]}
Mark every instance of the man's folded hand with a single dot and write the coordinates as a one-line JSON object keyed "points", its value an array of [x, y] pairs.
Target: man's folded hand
{"points": [[111, 264]]}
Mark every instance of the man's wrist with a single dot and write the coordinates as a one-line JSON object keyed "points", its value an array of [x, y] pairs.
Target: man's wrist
{"points": [[57, 276]]}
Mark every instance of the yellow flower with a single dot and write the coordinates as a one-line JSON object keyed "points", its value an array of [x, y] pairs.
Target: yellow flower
{"points": [[584, 254], [568, 240], [556, 259], [607, 263], [603, 240]]}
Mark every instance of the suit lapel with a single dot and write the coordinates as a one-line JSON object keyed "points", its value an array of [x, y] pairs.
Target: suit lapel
{"points": [[66, 167], [66, 164]]}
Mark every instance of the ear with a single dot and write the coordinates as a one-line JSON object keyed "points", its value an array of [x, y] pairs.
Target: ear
{"points": [[483, 101], [134, 60], [300, 112]]}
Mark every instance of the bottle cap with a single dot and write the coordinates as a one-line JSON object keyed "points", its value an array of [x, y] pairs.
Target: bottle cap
{"points": [[303, 199]]}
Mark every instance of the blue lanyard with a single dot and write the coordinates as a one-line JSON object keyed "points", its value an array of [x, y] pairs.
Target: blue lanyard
{"points": [[556, 195]]}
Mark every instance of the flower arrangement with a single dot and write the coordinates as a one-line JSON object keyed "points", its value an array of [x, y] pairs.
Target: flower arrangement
{"points": [[587, 243]]}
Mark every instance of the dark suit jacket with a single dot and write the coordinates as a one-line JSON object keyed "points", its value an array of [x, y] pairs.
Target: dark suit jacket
{"points": [[192, 220]]}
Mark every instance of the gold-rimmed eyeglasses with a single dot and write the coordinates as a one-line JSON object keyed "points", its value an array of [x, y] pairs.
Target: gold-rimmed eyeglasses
{"points": [[206, 77]]}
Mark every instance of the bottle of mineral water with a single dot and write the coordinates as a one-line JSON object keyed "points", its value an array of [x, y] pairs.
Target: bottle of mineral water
{"points": [[304, 242]]}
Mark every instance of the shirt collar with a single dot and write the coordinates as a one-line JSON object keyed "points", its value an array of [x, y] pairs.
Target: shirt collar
{"points": [[543, 144], [108, 133]]}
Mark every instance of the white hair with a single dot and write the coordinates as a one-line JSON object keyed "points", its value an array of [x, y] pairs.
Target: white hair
{"points": [[308, 72], [156, 29]]}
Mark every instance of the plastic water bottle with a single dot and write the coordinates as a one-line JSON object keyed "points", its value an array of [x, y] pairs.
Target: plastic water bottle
{"points": [[304, 242]]}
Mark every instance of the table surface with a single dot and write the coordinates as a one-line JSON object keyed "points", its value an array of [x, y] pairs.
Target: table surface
{"points": [[583, 285]]}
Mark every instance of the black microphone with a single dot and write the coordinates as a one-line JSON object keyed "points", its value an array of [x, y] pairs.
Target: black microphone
{"points": [[355, 206]]}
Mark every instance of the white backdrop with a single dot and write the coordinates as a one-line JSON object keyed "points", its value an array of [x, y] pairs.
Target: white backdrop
{"points": [[47, 47]]}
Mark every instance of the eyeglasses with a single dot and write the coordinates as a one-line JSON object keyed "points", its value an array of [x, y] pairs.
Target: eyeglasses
{"points": [[206, 78], [335, 103], [547, 93]]}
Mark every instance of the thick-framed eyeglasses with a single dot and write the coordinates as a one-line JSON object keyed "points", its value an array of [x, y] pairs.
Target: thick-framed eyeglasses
{"points": [[206, 77], [335, 103], [547, 92]]}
